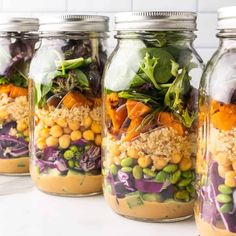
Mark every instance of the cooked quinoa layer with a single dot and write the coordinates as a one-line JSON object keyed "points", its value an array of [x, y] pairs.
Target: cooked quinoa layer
{"points": [[162, 142], [77, 114], [223, 142], [17, 108]]}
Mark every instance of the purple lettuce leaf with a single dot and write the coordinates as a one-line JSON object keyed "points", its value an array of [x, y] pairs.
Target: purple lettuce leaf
{"points": [[149, 186]]}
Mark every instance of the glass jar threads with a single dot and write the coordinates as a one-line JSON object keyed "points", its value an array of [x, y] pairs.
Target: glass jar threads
{"points": [[17, 41], [66, 104], [150, 104], [215, 209]]}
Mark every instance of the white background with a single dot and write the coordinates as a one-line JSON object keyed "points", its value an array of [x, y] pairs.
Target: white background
{"points": [[206, 42]]}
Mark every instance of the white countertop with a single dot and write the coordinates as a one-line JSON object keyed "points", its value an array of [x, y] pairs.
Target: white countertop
{"points": [[25, 211]]}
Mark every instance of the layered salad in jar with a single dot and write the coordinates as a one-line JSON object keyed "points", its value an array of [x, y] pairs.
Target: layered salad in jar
{"points": [[149, 139], [216, 207], [16, 54], [66, 145]]}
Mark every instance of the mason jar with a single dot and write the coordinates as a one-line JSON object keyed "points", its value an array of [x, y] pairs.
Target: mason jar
{"points": [[215, 209], [66, 104], [17, 40], [150, 111]]}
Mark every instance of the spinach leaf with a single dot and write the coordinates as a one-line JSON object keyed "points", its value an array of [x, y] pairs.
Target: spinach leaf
{"points": [[73, 63], [4, 80], [138, 97], [137, 81], [19, 79], [174, 96], [162, 72], [82, 80], [174, 68], [41, 90]]}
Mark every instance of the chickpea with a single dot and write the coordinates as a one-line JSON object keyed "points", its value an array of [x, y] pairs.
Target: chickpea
{"points": [[56, 131], [223, 170], [49, 121], [74, 125], [114, 150], [41, 144], [234, 165], [88, 135], [52, 141], [185, 164], [160, 162], [3, 114], [96, 128], [87, 122], [230, 179], [116, 160], [62, 122], [132, 152], [75, 135], [21, 126], [223, 160], [44, 133], [144, 161], [64, 141], [175, 158], [26, 132], [98, 140], [67, 130]]}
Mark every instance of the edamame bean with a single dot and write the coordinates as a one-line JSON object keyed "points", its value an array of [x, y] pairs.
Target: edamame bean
{"points": [[182, 195], [149, 172], [190, 188], [224, 198], [184, 182], [225, 189], [113, 169], [68, 154], [152, 197], [126, 169], [74, 148], [226, 208], [174, 178], [137, 172], [77, 164], [187, 174], [71, 164], [161, 177], [126, 162], [171, 168]]}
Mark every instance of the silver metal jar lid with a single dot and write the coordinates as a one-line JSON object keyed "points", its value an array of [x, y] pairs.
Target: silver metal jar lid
{"points": [[18, 24], [74, 23], [155, 21], [227, 18]]}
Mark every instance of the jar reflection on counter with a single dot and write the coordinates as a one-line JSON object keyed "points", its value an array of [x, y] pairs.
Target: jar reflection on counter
{"points": [[66, 123], [17, 41], [150, 104], [215, 210]]}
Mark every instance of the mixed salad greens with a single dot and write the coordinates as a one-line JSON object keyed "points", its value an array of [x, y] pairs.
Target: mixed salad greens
{"points": [[16, 54], [148, 85], [70, 78]]}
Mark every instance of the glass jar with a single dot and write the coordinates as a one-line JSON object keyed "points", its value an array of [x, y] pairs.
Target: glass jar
{"points": [[215, 209], [17, 42], [150, 104], [66, 105]]}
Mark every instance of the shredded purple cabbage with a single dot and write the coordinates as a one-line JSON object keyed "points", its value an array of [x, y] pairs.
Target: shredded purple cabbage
{"points": [[11, 146]]}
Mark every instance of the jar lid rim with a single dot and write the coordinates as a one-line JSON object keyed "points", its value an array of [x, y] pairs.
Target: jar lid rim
{"points": [[74, 22], [156, 20], [226, 18], [18, 24]]}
